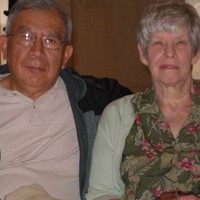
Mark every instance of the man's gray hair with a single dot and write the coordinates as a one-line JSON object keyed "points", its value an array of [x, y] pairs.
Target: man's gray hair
{"points": [[21, 5]]}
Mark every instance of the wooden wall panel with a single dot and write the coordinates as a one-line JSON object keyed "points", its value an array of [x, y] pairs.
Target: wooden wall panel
{"points": [[104, 38], [66, 5]]}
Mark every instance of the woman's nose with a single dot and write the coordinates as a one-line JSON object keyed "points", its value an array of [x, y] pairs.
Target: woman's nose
{"points": [[170, 50]]}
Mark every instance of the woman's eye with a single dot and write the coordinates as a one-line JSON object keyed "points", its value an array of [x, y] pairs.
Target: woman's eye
{"points": [[157, 43], [181, 43]]}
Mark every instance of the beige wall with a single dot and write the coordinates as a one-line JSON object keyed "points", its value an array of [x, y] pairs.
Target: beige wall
{"points": [[3, 18], [196, 67]]}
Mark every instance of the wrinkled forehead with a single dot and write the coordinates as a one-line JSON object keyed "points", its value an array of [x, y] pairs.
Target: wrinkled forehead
{"points": [[39, 20], [49, 14]]}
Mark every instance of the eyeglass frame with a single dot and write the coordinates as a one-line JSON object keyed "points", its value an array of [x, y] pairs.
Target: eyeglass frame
{"points": [[34, 38]]}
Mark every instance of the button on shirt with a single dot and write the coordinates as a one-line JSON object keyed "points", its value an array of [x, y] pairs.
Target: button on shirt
{"points": [[38, 143]]}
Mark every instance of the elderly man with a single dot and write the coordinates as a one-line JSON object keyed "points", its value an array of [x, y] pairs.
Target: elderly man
{"points": [[49, 114]]}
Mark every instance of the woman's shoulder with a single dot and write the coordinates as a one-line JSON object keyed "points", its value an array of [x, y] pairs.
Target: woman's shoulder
{"points": [[124, 102], [119, 108], [120, 103]]}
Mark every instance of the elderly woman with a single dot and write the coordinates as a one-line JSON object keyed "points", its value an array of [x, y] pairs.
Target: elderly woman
{"points": [[148, 145]]}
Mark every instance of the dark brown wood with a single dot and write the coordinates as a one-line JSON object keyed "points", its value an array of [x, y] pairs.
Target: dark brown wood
{"points": [[104, 38]]}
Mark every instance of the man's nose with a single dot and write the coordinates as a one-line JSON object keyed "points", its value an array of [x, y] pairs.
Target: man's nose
{"points": [[37, 47]]}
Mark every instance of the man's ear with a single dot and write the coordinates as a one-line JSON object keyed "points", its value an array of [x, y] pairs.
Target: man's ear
{"points": [[142, 55], [3, 46], [67, 55]]}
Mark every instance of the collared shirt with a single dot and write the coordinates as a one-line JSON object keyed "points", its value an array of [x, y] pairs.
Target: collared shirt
{"points": [[38, 143], [153, 160]]}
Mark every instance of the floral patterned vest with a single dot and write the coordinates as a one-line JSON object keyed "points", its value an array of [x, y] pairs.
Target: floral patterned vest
{"points": [[153, 161]]}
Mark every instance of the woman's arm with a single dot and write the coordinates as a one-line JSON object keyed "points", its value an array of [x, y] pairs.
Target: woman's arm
{"points": [[105, 181]]}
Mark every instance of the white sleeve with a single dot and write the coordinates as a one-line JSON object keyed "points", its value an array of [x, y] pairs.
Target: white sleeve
{"points": [[114, 125]]}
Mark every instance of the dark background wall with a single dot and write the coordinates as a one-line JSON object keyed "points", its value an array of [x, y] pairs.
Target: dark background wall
{"points": [[104, 39]]}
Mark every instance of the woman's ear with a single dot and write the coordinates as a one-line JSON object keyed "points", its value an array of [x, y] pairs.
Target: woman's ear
{"points": [[3, 46], [142, 55], [67, 55], [196, 57]]}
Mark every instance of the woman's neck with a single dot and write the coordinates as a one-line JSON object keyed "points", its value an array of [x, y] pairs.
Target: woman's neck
{"points": [[175, 108]]}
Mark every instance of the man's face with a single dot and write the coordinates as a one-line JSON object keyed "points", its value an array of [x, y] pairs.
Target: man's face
{"points": [[36, 68]]}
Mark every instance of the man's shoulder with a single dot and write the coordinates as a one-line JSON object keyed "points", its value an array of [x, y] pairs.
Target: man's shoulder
{"points": [[99, 82], [4, 69], [99, 91]]}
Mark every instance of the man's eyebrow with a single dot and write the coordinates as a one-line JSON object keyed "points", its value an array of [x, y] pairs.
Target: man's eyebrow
{"points": [[54, 34], [49, 34], [23, 29]]}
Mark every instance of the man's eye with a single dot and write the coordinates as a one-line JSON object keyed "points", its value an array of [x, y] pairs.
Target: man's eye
{"points": [[26, 37], [50, 40]]}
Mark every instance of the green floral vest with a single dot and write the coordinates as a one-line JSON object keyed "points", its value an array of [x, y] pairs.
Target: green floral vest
{"points": [[153, 161]]}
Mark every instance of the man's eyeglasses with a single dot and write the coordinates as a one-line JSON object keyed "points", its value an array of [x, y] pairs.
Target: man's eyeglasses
{"points": [[28, 39]]}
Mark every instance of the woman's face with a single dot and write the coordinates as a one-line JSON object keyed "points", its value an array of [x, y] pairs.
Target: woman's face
{"points": [[169, 57]]}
